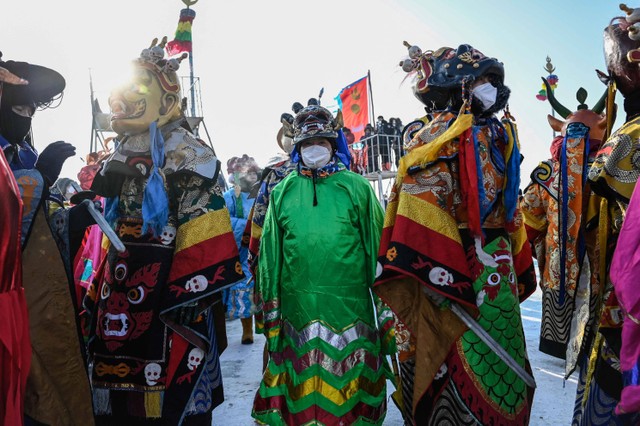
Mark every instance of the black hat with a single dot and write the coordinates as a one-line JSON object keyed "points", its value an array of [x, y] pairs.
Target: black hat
{"points": [[440, 73], [44, 84]]}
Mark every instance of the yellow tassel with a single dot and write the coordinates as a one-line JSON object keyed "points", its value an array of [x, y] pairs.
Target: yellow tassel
{"points": [[591, 367], [603, 234], [153, 404], [429, 152], [511, 140], [610, 107]]}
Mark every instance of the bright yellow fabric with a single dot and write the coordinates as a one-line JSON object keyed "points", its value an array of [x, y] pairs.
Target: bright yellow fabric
{"points": [[429, 152], [202, 228]]}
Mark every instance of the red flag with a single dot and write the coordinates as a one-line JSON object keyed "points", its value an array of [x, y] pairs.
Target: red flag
{"points": [[354, 102]]}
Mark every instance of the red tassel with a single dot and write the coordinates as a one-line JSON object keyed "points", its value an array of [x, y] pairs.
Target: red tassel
{"points": [[469, 182]]}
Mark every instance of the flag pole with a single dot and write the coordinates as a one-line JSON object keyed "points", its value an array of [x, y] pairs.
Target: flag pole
{"points": [[191, 82], [372, 115], [191, 77]]}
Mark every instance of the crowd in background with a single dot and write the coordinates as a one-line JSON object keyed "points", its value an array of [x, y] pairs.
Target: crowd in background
{"points": [[379, 148]]}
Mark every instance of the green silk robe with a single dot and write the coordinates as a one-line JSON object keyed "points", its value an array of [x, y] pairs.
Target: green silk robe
{"points": [[315, 271]]}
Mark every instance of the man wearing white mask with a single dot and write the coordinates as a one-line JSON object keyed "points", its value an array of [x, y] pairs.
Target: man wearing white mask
{"points": [[316, 266], [454, 247]]}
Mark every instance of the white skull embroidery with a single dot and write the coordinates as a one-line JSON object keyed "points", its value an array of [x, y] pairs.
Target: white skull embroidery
{"points": [[152, 373], [441, 372], [172, 65], [195, 358], [440, 276], [197, 284], [145, 54], [156, 53], [168, 235]]}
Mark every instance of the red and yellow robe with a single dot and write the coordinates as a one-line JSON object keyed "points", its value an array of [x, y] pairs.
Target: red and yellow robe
{"points": [[429, 258]]}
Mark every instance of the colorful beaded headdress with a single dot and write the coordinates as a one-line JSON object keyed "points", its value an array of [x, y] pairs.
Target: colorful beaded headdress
{"points": [[315, 121], [152, 59], [439, 73]]}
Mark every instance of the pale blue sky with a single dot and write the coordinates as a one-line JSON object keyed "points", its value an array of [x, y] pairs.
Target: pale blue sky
{"points": [[255, 58]]}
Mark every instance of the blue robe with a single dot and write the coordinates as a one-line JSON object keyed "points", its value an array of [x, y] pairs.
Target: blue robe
{"points": [[239, 298]]}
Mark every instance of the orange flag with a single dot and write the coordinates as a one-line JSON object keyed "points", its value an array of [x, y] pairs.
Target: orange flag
{"points": [[354, 103]]}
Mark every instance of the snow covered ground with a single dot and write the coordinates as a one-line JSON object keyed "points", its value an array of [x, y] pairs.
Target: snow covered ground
{"points": [[554, 398], [242, 367]]}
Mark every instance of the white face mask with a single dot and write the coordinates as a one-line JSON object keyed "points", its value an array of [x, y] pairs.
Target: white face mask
{"points": [[486, 93], [315, 156]]}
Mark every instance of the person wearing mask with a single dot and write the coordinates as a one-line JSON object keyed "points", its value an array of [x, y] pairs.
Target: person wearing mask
{"points": [[15, 350], [57, 389], [454, 247], [316, 265], [243, 174]]}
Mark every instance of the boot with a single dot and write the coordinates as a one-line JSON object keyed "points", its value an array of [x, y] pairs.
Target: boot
{"points": [[247, 330]]}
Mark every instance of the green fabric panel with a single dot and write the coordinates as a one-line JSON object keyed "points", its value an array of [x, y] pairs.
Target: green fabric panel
{"points": [[501, 318]]}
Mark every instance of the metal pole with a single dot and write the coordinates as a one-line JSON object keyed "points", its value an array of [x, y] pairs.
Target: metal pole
{"points": [[191, 81], [93, 117], [380, 191], [96, 130]]}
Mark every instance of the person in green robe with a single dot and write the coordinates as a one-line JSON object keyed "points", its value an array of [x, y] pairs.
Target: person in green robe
{"points": [[327, 335]]}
